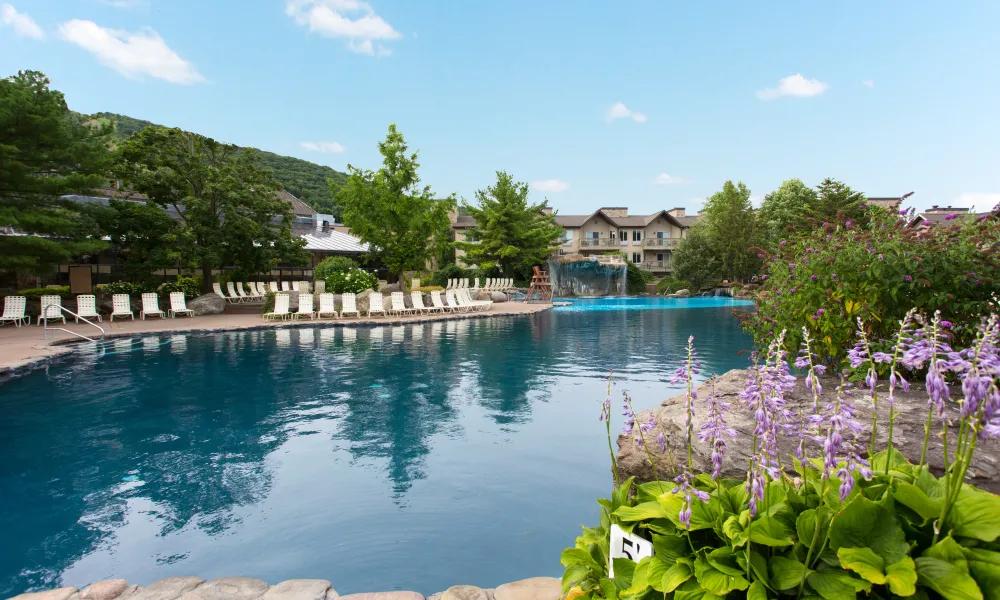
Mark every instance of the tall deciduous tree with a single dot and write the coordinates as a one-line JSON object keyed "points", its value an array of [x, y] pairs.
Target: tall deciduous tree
{"points": [[145, 237], [46, 152], [229, 210], [510, 233], [731, 226], [786, 207], [402, 222], [696, 260]]}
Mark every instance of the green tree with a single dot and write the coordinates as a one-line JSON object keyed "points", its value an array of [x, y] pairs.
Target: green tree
{"points": [[45, 153], [837, 203], [402, 222], [145, 237], [696, 259], [731, 226], [786, 207], [228, 206], [511, 234]]}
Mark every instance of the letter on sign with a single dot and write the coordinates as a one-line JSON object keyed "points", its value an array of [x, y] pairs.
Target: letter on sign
{"points": [[627, 545]]}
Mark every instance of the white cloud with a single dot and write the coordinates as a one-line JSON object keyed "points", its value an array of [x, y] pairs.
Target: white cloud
{"points": [[24, 26], [665, 179], [353, 20], [756, 201], [131, 54], [333, 147], [982, 202], [126, 4], [868, 83], [620, 111], [549, 185], [794, 85]]}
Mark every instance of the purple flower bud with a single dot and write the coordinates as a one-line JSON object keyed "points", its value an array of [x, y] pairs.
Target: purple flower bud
{"points": [[814, 278], [907, 278], [849, 224]]}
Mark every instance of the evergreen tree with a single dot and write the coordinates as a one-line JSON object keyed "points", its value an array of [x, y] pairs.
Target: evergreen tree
{"points": [[511, 234], [45, 153], [230, 213], [405, 226], [731, 226], [837, 203]]}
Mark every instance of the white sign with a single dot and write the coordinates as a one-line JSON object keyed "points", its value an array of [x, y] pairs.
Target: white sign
{"points": [[627, 545]]}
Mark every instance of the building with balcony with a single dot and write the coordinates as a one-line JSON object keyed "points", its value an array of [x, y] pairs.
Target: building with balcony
{"points": [[646, 240]]}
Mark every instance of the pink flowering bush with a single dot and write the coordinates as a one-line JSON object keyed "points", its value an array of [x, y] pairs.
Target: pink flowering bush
{"points": [[841, 272], [837, 519]]}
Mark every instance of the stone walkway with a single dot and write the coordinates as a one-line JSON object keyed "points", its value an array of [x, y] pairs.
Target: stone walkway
{"points": [[23, 349], [245, 588]]}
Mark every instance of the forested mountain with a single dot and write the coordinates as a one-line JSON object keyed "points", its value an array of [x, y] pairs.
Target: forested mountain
{"points": [[305, 180]]}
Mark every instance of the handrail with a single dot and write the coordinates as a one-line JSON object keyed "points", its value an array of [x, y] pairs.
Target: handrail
{"points": [[45, 317]]}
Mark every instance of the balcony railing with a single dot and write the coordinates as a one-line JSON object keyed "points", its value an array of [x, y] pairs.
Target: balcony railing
{"points": [[657, 266], [661, 242], [599, 243]]}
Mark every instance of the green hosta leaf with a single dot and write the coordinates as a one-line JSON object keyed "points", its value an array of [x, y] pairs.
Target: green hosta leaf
{"points": [[624, 570], [895, 458], [716, 581], [662, 526], [640, 578], [769, 531], [619, 497], [574, 574], [572, 556], [724, 560], [902, 577], [654, 576], [652, 490], [756, 591], [703, 516], [691, 590], [917, 499], [836, 585], [640, 512], [975, 514], [786, 573], [948, 550], [735, 532], [608, 588], [805, 525], [984, 565], [774, 493], [676, 575], [947, 579], [759, 566], [864, 562], [867, 524], [670, 547]]}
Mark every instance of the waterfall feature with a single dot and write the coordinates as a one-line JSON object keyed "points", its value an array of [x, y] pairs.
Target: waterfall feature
{"points": [[578, 275]]}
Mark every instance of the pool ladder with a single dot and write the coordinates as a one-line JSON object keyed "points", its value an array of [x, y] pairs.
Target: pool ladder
{"points": [[48, 314]]}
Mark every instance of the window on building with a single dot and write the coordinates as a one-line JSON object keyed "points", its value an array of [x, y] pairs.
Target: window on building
{"points": [[567, 236], [636, 257], [622, 235], [659, 256], [593, 234], [637, 235], [662, 234]]}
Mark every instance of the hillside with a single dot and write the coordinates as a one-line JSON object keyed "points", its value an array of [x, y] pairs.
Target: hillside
{"points": [[305, 180]]}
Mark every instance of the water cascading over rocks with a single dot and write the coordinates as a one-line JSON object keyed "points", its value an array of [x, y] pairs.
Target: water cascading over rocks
{"points": [[578, 275]]}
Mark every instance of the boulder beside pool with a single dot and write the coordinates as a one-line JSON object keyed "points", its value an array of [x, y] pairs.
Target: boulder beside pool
{"points": [[209, 304]]}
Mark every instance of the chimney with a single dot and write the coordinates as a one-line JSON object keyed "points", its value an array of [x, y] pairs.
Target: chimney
{"points": [[546, 210], [677, 212], [615, 212]]}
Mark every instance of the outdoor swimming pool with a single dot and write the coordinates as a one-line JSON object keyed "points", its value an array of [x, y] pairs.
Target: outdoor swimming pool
{"points": [[412, 457]]}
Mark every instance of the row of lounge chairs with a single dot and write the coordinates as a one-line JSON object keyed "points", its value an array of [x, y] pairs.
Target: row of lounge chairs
{"points": [[253, 292], [50, 308], [453, 301], [489, 284]]}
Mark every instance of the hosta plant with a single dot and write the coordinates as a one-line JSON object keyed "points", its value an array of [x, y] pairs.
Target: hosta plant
{"points": [[837, 519]]}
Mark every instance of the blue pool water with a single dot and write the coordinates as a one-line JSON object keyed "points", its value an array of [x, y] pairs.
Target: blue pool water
{"points": [[411, 457]]}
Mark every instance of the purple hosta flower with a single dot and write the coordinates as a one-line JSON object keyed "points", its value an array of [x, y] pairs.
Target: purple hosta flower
{"points": [[628, 414], [907, 278], [928, 347], [686, 487], [979, 366], [662, 441], [715, 431], [649, 425]]}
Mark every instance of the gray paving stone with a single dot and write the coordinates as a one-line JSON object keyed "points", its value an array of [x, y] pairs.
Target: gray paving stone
{"points": [[109, 589], [170, 588], [228, 588], [299, 589], [536, 588], [63, 593]]}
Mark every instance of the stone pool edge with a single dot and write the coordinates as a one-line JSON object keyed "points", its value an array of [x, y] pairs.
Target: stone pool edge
{"points": [[58, 350], [246, 588]]}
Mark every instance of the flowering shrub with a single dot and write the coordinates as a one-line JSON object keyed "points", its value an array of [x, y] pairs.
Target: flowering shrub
{"points": [[333, 264], [841, 272], [353, 280], [852, 521], [188, 285], [123, 287]]}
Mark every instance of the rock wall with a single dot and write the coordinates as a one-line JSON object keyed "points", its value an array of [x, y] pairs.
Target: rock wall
{"points": [[907, 437], [581, 276]]}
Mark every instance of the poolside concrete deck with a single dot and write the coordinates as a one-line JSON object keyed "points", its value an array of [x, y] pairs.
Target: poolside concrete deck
{"points": [[23, 349]]}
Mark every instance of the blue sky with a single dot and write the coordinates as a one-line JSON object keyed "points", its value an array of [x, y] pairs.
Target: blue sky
{"points": [[648, 105]]}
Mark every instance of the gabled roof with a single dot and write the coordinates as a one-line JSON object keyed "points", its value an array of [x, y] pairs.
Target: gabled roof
{"points": [[333, 241], [943, 217], [630, 221], [299, 208]]}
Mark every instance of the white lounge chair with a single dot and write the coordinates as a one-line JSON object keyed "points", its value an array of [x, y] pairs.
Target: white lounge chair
{"points": [[349, 305], [217, 288], [261, 289], [280, 308], [121, 306], [47, 314], [295, 286], [475, 284], [237, 296], [305, 307], [399, 304], [13, 311], [319, 287], [438, 304], [450, 284], [489, 284], [451, 301], [376, 304], [480, 305], [326, 306], [86, 308], [178, 306], [285, 287], [151, 306], [274, 287], [417, 300]]}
